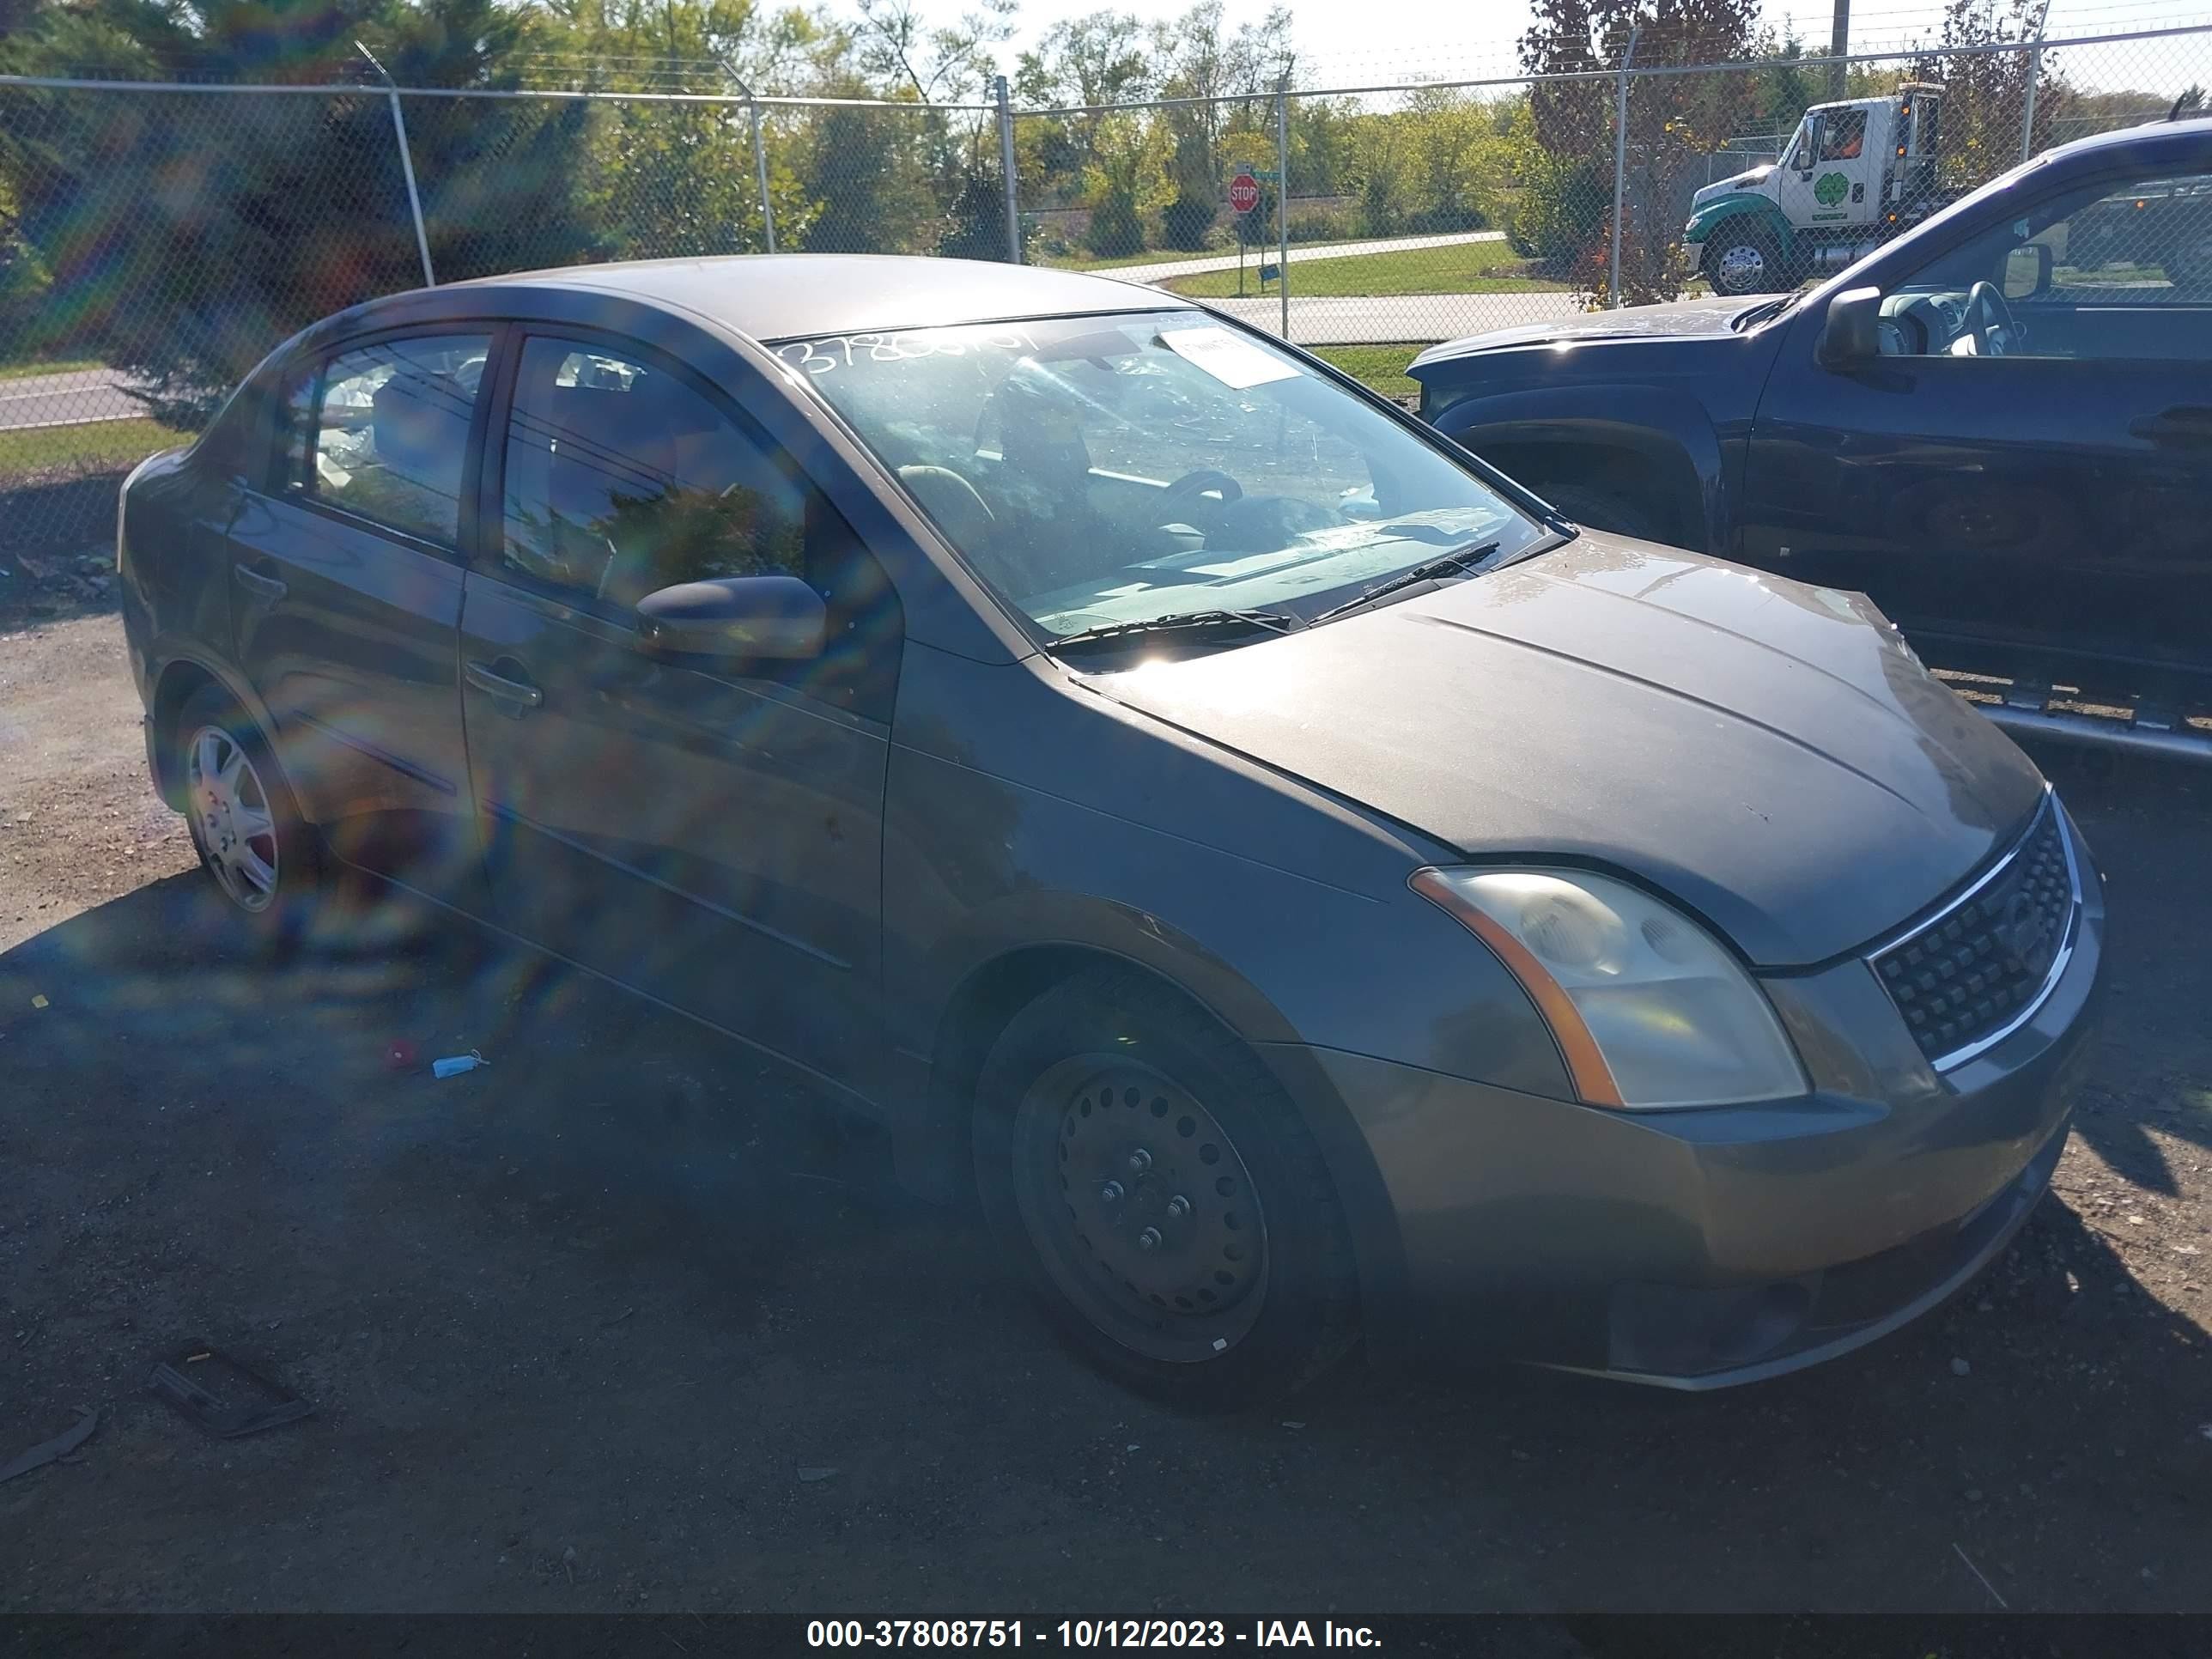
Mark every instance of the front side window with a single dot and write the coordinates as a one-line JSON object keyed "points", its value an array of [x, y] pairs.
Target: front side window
{"points": [[389, 435], [1842, 135], [2093, 273], [621, 480], [1096, 470]]}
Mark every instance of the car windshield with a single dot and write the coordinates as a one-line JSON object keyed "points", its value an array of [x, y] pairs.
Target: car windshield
{"points": [[1133, 469]]}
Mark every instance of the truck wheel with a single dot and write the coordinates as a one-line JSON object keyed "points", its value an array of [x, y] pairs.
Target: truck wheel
{"points": [[1176, 1221], [1742, 257]]}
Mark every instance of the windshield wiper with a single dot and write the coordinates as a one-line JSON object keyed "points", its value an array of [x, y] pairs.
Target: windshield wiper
{"points": [[1765, 312], [1460, 561], [1188, 622]]}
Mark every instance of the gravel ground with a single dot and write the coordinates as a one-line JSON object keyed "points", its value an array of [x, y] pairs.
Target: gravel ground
{"points": [[620, 1323]]}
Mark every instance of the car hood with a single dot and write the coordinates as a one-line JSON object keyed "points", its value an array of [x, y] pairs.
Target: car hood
{"points": [[1768, 753], [1681, 317]]}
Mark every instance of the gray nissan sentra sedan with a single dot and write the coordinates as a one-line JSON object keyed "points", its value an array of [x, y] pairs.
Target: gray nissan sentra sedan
{"points": [[1308, 889]]}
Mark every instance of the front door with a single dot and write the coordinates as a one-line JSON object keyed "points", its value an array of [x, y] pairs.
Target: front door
{"points": [[345, 590], [709, 833], [1831, 178], [2029, 463]]}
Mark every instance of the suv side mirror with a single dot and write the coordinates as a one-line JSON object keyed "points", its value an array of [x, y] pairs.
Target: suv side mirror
{"points": [[773, 618], [2027, 271], [1853, 333]]}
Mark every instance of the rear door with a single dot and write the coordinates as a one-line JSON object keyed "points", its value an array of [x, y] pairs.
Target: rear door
{"points": [[2037, 477], [345, 579], [709, 833]]}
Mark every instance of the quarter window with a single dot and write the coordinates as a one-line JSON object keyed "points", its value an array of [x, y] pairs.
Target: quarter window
{"points": [[621, 480], [391, 433]]}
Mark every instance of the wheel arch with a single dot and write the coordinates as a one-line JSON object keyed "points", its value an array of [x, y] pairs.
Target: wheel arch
{"points": [[1716, 219], [934, 1141], [180, 677], [1664, 444]]}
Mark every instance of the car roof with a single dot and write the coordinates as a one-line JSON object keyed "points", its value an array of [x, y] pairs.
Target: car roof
{"points": [[2192, 126], [773, 296]]}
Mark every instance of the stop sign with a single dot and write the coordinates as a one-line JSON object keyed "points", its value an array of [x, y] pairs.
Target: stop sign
{"points": [[1243, 192]]}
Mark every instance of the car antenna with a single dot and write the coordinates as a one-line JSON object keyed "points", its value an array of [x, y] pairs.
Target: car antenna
{"points": [[2192, 99]]}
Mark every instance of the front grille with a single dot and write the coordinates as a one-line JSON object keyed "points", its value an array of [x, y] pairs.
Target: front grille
{"points": [[1979, 967]]}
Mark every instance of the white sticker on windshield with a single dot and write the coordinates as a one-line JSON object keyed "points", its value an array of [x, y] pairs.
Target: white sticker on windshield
{"points": [[1232, 361]]}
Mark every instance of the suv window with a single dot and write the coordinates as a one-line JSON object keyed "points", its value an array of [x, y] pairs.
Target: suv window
{"points": [[383, 432], [2093, 273], [621, 480]]}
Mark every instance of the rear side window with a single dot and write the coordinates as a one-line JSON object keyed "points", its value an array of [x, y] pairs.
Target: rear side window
{"points": [[383, 432], [621, 480]]}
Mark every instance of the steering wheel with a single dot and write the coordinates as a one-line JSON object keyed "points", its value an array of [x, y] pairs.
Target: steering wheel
{"points": [[1989, 319], [1181, 497]]}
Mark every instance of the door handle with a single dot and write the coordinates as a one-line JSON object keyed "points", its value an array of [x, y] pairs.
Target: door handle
{"points": [[2188, 424], [522, 693], [254, 582]]}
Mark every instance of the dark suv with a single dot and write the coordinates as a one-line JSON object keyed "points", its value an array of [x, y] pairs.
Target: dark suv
{"points": [[1999, 428]]}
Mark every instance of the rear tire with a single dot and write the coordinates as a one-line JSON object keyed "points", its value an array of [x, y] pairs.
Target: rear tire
{"points": [[1175, 1220], [257, 851]]}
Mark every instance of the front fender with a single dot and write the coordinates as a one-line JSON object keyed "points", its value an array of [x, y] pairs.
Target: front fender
{"points": [[1704, 219], [1670, 429]]}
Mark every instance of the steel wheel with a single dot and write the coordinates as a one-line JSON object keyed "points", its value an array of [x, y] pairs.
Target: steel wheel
{"points": [[1140, 1208], [232, 817], [1741, 267]]}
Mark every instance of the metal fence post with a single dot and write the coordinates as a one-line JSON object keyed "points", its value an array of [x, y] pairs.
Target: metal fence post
{"points": [[2027, 124], [406, 165], [1007, 167], [1619, 169], [760, 167], [1283, 200]]}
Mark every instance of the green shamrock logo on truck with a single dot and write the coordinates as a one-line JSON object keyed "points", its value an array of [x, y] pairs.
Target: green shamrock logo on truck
{"points": [[1830, 188]]}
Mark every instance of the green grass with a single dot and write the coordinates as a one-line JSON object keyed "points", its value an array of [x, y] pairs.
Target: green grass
{"points": [[27, 371], [1382, 367], [1089, 262], [1467, 267], [44, 454]]}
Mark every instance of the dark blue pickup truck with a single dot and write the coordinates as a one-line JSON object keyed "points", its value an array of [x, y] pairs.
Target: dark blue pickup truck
{"points": [[1998, 428]]}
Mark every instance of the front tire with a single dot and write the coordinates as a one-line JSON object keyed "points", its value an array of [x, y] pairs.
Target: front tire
{"points": [[1743, 259], [244, 825], [1176, 1219]]}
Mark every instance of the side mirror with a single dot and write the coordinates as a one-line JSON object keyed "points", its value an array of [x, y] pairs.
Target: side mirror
{"points": [[1853, 333], [773, 618], [2027, 271]]}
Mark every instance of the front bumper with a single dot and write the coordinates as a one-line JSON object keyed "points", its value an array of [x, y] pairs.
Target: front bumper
{"points": [[1705, 1248]]}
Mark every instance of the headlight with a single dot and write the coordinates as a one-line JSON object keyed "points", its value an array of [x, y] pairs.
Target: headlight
{"points": [[1647, 1008]]}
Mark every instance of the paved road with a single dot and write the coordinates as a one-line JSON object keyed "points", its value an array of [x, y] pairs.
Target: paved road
{"points": [[1165, 269], [90, 394], [1377, 320]]}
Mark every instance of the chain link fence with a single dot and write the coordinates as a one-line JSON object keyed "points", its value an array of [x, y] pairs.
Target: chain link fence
{"points": [[155, 240]]}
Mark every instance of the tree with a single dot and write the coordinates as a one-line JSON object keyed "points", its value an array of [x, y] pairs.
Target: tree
{"points": [[1672, 120], [186, 235], [1985, 93]]}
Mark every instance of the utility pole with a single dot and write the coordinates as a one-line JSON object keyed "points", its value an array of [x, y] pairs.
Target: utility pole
{"points": [[1840, 46]]}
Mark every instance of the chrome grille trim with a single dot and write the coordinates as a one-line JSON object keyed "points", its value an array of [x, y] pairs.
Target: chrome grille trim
{"points": [[2048, 812]]}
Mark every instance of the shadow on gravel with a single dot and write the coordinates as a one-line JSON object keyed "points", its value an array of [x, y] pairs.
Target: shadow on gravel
{"points": [[586, 1327]]}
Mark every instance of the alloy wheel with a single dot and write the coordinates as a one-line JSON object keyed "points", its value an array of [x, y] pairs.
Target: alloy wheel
{"points": [[232, 817]]}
